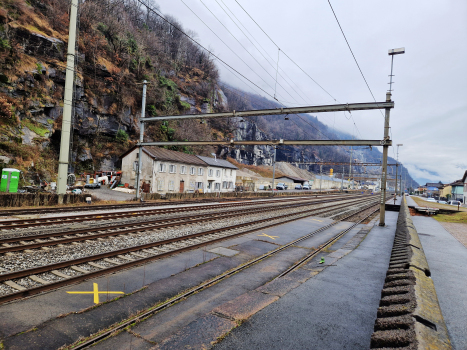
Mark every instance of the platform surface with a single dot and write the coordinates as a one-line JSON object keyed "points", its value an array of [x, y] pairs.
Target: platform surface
{"points": [[336, 309], [447, 259]]}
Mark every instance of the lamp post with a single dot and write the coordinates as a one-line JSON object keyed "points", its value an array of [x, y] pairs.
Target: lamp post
{"points": [[382, 207]]}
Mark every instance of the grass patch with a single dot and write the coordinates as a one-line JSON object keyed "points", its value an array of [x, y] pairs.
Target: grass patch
{"points": [[424, 203], [458, 218], [38, 129]]}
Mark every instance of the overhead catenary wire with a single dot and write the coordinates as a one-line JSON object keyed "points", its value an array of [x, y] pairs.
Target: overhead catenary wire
{"points": [[242, 47], [355, 59], [285, 54], [207, 50], [252, 36]]}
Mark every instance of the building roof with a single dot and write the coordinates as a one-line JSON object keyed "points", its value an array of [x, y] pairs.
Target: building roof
{"points": [[217, 162], [293, 178], [457, 183], [434, 184], [463, 177], [158, 153]]}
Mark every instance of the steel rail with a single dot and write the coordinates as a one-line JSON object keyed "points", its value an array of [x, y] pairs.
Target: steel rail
{"points": [[23, 223], [154, 225], [79, 278], [328, 243], [9, 212], [144, 314]]}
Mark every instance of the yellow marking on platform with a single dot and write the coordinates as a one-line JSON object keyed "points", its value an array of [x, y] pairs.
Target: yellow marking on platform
{"points": [[317, 220], [96, 293], [265, 235], [98, 217]]}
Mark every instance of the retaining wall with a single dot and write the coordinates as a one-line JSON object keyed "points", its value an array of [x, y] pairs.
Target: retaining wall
{"points": [[39, 199], [409, 316]]}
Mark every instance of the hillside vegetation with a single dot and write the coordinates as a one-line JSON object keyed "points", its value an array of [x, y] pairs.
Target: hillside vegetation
{"points": [[120, 44]]}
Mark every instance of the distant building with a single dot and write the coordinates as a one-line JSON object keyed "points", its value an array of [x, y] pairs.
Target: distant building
{"points": [[292, 179], [221, 175], [169, 171], [457, 190], [464, 181], [434, 188]]}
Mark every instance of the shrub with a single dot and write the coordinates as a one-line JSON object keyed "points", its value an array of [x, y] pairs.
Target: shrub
{"points": [[4, 44], [121, 136], [152, 110], [185, 105]]}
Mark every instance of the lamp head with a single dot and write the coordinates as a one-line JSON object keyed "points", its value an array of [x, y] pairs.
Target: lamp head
{"points": [[398, 51]]}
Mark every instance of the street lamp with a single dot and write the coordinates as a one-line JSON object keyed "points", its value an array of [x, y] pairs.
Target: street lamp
{"points": [[397, 165], [391, 53]]}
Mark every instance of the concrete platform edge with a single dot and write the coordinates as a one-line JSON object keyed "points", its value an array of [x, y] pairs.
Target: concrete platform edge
{"points": [[409, 297]]}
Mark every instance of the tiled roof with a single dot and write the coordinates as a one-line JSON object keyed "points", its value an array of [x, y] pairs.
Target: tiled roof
{"points": [[217, 162], [168, 155], [173, 156], [293, 178]]}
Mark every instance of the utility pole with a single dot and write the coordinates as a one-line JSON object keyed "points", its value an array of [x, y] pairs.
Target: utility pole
{"points": [[67, 105], [382, 208], [397, 163], [274, 170], [342, 182], [141, 136], [320, 177], [350, 166]]}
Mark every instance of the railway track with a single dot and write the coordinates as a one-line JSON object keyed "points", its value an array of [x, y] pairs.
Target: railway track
{"points": [[11, 212], [48, 221], [182, 296], [26, 282], [35, 211], [14, 244]]}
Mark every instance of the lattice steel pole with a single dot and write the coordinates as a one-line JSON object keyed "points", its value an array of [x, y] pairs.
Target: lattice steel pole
{"points": [[382, 209]]}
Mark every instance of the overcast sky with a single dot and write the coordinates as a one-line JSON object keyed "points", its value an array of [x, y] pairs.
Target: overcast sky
{"points": [[430, 90]]}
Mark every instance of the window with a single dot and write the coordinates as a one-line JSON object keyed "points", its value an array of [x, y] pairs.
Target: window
{"points": [[183, 169], [162, 168], [192, 185], [223, 172], [218, 173], [200, 171], [211, 172], [199, 186], [135, 166], [172, 168], [171, 186], [224, 184], [231, 184], [192, 170], [231, 172], [160, 184], [217, 186]]}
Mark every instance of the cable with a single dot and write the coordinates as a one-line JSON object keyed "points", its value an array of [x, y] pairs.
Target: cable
{"points": [[285, 53], [196, 42], [335, 16], [298, 93]]}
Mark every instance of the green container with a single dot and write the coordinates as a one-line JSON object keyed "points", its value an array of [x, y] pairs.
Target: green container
{"points": [[10, 180]]}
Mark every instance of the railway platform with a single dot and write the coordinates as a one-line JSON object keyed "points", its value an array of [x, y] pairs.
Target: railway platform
{"points": [[329, 302]]}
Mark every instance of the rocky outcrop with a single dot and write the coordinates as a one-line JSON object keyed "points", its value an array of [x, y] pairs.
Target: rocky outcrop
{"points": [[35, 44], [256, 155]]}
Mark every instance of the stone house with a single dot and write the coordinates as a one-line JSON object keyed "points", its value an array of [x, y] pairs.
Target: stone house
{"points": [[169, 171], [221, 175], [165, 170]]}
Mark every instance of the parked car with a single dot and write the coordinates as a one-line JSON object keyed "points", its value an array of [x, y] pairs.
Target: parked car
{"points": [[93, 185], [306, 187], [441, 202], [454, 203], [430, 200], [298, 187], [77, 191], [281, 186]]}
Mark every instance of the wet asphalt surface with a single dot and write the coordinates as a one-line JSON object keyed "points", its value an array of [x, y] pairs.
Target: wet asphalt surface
{"points": [[334, 310], [447, 259]]}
